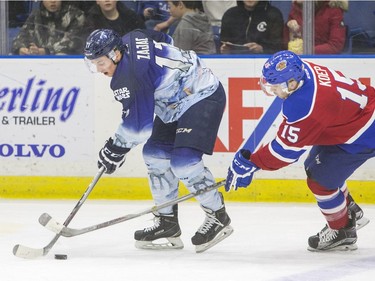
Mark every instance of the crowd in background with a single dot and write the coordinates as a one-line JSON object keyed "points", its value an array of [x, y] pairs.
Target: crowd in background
{"points": [[207, 27]]}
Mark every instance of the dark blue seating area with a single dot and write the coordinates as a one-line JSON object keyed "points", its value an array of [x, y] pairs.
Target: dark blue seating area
{"points": [[360, 23], [12, 33], [359, 20]]}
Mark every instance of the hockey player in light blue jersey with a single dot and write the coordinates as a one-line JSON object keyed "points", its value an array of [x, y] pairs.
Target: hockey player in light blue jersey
{"points": [[171, 100]]}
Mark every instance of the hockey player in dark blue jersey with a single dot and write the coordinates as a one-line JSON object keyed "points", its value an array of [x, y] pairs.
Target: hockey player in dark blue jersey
{"points": [[171, 100]]}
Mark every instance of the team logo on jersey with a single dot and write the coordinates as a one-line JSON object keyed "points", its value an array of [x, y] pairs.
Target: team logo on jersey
{"points": [[122, 93], [262, 26], [280, 66]]}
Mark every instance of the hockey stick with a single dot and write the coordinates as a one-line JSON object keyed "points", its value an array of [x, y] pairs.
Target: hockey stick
{"points": [[47, 221], [30, 253]]}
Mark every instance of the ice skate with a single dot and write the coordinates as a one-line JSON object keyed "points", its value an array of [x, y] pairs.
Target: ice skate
{"points": [[163, 235], [214, 229], [360, 219], [328, 239]]}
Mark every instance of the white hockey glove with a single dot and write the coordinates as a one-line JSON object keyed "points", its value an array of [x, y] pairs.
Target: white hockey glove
{"points": [[111, 156]]}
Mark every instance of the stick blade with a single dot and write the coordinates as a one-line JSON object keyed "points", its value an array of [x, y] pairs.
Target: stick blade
{"points": [[44, 219], [48, 222], [27, 252]]}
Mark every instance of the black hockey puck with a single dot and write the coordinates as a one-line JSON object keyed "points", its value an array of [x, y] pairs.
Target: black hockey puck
{"points": [[61, 257]]}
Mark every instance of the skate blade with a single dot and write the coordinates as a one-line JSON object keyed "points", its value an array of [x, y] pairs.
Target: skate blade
{"points": [[224, 233], [173, 243], [362, 222], [342, 248]]}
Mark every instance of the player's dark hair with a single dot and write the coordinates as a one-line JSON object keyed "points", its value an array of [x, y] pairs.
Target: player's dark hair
{"points": [[190, 4]]}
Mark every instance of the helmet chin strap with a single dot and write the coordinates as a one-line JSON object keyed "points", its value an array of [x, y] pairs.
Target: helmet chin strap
{"points": [[285, 90]]}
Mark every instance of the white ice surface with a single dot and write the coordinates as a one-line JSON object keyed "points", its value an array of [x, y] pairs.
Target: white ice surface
{"points": [[269, 243]]}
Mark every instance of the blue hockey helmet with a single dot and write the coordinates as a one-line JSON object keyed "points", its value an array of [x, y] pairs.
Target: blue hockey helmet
{"points": [[280, 69], [102, 42]]}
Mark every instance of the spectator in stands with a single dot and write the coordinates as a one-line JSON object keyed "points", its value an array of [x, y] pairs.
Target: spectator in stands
{"points": [[112, 14], [252, 27], [51, 29], [216, 9], [156, 13], [167, 26], [135, 5], [193, 31], [84, 5], [330, 30]]}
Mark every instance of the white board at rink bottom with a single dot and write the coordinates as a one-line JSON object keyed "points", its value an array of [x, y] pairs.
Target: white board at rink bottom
{"points": [[55, 116]]}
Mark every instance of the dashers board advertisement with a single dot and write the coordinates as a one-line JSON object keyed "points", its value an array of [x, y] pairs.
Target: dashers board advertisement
{"points": [[46, 115], [55, 116]]}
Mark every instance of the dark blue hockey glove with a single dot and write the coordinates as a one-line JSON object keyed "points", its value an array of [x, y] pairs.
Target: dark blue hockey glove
{"points": [[111, 156], [240, 173]]}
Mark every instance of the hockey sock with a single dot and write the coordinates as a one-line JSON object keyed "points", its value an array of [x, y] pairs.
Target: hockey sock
{"points": [[332, 204]]}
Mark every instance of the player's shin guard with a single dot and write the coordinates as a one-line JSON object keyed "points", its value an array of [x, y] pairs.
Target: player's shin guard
{"points": [[332, 204], [198, 178], [166, 232], [216, 226], [163, 182], [164, 187]]}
